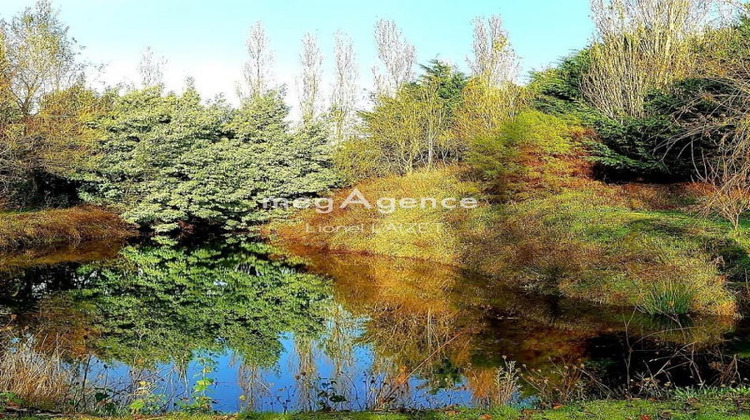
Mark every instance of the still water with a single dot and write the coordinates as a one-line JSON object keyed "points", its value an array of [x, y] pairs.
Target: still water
{"points": [[247, 326]]}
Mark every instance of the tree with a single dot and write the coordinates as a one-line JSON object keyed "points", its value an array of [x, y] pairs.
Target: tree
{"points": [[396, 55], [312, 61], [257, 71], [641, 45], [151, 68], [67, 121], [716, 123], [40, 55], [12, 168], [412, 129], [443, 86], [46, 109], [490, 97], [280, 162], [485, 108], [344, 90], [153, 159], [494, 62], [169, 160]]}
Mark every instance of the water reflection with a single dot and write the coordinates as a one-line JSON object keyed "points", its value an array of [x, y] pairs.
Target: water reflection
{"points": [[147, 326]]}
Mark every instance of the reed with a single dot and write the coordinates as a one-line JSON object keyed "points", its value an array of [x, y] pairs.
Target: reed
{"points": [[37, 379]]}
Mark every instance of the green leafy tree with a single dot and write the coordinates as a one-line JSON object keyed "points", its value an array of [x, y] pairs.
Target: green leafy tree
{"points": [[45, 109], [280, 162], [40, 55], [168, 160], [163, 303], [147, 152], [410, 129]]}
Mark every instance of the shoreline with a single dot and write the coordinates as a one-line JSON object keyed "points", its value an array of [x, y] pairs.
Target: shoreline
{"points": [[713, 403], [60, 227]]}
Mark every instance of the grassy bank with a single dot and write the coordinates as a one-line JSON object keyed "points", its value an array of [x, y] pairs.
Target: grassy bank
{"points": [[728, 406], [548, 225], [59, 227], [703, 408]]}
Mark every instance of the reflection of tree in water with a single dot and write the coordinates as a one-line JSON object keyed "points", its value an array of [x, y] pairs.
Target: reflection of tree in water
{"points": [[339, 342], [306, 374], [450, 328], [415, 330], [437, 324], [161, 303]]}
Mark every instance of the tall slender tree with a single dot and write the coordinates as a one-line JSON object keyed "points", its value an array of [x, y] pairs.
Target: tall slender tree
{"points": [[344, 89], [494, 60], [257, 71], [310, 78], [396, 55], [491, 97]]}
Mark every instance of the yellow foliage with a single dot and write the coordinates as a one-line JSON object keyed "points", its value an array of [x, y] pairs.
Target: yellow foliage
{"points": [[484, 109]]}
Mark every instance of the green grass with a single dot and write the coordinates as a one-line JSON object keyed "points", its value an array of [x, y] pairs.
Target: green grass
{"points": [[547, 225], [604, 410], [705, 408], [701, 407], [589, 243], [668, 299]]}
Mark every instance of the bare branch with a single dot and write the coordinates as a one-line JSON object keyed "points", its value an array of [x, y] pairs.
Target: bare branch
{"points": [[494, 60], [642, 45], [257, 70], [344, 90], [396, 55], [312, 62], [151, 68]]}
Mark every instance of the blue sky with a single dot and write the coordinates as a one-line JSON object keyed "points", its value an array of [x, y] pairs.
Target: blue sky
{"points": [[205, 39]]}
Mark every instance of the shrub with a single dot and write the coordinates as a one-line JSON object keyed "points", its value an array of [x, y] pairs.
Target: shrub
{"points": [[356, 160], [506, 384], [411, 129], [652, 145], [529, 148], [168, 160]]}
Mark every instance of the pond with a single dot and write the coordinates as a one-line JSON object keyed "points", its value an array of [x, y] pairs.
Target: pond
{"points": [[238, 325]]}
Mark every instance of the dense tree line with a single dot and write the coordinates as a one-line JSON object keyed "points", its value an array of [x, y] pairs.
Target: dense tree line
{"points": [[663, 87], [163, 159], [169, 158], [686, 118]]}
